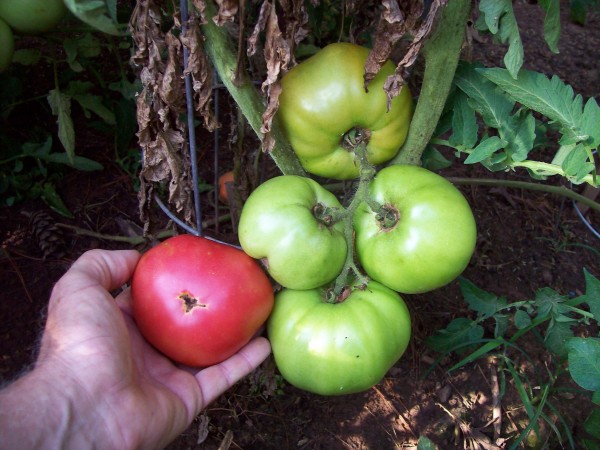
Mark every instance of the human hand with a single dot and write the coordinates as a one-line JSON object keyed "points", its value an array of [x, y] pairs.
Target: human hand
{"points": [[119, 392]]}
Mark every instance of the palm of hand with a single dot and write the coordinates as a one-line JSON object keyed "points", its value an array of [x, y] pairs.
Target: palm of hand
{"points": [[141, 398]]}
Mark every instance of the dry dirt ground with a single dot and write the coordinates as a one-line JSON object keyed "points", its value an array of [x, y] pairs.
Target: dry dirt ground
{"points": [[526, 241]]}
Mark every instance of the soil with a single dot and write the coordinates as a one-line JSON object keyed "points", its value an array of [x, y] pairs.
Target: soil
{"points": [[527, 241]]}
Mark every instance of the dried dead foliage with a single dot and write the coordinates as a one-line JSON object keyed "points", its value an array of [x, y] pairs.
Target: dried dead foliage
{"points": [[398, 19], [392, 20], [279, 27], [162, 134], [279, 47]]}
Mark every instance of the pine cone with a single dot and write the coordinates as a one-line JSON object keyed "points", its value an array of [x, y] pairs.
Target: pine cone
{"points": [[48, 237]]}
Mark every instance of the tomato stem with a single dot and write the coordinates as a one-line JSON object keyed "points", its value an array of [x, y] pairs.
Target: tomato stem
{"points": [[223, 54], [366, 174], [328, 216], [442, 52], [354, 137]]}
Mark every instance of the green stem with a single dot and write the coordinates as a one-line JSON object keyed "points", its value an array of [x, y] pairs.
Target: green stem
{"points": [[366, 172], [556, 190], [222, 53], [441, 52], [547, 169]]}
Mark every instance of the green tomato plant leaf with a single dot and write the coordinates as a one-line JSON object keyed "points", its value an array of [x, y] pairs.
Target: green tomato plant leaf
{"points": [[425, 443], [464, 123], [60, 104], [27, 56], [550, 303], [484, 97], [500, 20], [485, 150], [596, 398], [550, 97], [87, 46], [480, 301], [589, 121], [576, 163], [458, 332], [519, 132], [592, 423], [522, 319], [551, 23], [54, 201], [432, 159], [592, 294], [79, 162], [511, 134], [557, 335], [584, 362], [93, 103], [100, 14]]}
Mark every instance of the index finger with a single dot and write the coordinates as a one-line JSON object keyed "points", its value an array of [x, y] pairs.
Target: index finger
{"points": [[109, 269]]}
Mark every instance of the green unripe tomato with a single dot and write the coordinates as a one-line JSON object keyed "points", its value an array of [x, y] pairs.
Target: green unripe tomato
{"points": [[284, 223], [338, 348], [323, 99], [423, 235], [7, 45], [32, 16]]}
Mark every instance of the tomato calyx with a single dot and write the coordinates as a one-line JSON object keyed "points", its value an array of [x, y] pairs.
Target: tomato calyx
{"points": [[190, 302], [354, 137], [326, 215], [388, 217], [331, 295]]}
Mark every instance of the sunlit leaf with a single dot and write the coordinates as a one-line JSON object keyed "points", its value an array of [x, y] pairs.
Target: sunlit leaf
{"points": [[584, 362]]}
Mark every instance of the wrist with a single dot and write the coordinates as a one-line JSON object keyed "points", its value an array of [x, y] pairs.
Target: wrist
{"points": [[45, 396]]}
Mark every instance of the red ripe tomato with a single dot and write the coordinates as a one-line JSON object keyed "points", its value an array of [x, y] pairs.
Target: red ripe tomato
{"points": [[199, 301], [224, 180]]}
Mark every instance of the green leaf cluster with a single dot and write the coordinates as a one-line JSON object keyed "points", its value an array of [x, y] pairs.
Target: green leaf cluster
{"points": [[550, 317], [75, 64], [60, 103], [498, 18], [32, 173], [499, 120], [100, 14]]}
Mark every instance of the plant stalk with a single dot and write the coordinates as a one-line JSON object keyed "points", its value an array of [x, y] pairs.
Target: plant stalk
{"points": [[222, 53], [441, 52], [556, 190], [136, 239], [367, 172]]}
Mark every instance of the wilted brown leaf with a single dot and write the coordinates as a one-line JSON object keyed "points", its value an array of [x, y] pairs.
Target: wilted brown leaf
{"points": [[228, 9], [265, 11], [170, 81], [200, 8], [397, 20], [282, 32], [198, 66], [148, 39], [161, 135]]}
